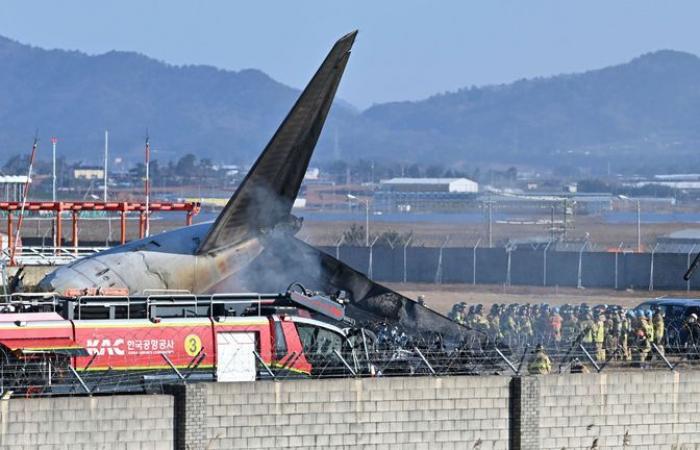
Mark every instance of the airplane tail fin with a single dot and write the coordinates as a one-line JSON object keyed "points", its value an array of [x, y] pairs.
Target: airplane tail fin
{"points": [[265, 197]]}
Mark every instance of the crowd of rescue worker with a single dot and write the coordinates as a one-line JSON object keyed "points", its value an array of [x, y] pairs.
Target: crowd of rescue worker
{"points": [[600, 333]]}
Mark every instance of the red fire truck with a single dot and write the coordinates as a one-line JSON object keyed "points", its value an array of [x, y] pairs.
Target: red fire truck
{"points": [[113, 343]]}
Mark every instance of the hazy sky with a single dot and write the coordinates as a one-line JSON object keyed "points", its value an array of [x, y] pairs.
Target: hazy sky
{"points": [[406, 49]]}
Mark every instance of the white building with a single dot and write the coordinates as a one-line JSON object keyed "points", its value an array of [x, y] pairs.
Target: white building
{"points": [[452, 185], [12, 187], [425, 195]]}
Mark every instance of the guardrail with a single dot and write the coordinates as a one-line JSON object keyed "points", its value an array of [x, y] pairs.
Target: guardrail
{"points": [[48, 256]]}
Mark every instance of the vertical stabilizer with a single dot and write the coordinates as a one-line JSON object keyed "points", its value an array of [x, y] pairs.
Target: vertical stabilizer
{"points": [[265, 197]]}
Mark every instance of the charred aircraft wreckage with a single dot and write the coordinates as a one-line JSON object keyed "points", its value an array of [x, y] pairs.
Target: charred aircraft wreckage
{"points": [[251, 245]]}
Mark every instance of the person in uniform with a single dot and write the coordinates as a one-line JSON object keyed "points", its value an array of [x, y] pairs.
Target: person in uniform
{"points": [[598, 331], [625, 331], [555, 323], [648, 328], [657, 322], [540, 364], [642, 347], [690, 336]]}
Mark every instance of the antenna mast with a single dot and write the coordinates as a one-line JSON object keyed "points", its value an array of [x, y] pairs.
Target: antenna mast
{"points": [[25, 194], [148, 186]]}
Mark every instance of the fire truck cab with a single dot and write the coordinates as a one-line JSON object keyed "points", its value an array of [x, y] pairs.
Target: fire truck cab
{"points": [[116, 344]]}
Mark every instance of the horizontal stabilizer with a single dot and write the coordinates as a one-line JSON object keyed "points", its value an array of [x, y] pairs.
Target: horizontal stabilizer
{"points": [[265, 198]]}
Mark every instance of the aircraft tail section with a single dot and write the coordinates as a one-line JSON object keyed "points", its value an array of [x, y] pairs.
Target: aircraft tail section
{"points": [[266, 196]]}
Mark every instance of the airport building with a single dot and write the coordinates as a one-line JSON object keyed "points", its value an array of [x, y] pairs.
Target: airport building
{"points": [[88, 173], [425, 195]]}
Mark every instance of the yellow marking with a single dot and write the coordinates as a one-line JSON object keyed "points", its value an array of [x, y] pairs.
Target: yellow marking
{"points": [[193, 344], [291, 369]]}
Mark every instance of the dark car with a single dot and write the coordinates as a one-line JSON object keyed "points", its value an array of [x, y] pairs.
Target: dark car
{"points": [[675, 311]]}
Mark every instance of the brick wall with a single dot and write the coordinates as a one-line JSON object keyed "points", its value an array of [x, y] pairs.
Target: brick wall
{"points": [[620, 410], [609, 410], [401, 413], [110, 423]]}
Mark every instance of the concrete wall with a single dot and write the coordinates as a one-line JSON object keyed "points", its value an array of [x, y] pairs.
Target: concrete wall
{"points": [[400, 413], [620, 410], [611, 410], [111, 423]]}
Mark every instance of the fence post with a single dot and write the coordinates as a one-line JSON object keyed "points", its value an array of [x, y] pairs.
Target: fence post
{"points": [[617, 254], [408, 242], [687, 264], [579, 283], [509, 248], [651, 269], [438, 271], [337, 247], [371, 261], [544, 270], [474, 261]]}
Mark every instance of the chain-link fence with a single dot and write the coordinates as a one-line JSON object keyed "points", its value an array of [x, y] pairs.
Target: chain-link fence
{"points": [[574, 264]]}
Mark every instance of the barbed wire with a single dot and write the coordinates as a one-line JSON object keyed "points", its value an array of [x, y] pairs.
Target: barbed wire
{"points": [[51, 375]]}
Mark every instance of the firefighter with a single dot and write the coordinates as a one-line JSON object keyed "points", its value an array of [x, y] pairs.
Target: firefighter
{"points": [[645, 321], [657, 322], [569, 330], [510, 326], [540, 364], [691, 335], [586, 327], [494, 321], [598, 331], [479, 322], [625, 330], [555, 323], [611, 340], [642, 347]]}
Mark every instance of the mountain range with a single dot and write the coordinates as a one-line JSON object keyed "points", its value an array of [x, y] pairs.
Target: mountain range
{"points": [[644, 111]]}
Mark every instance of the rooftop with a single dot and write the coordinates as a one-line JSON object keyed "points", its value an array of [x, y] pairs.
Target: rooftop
{"points": [[423, 180]]}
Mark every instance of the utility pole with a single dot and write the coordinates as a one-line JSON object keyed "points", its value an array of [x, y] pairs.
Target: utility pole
{"points": [[366, 203], [565, 224], [54, 141], [25, 194], [104, 196], [639, 219], [639, 227], [490, 224], [551, 225], [489, 221], [148, 186]]}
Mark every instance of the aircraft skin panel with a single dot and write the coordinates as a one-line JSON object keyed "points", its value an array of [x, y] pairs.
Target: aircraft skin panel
{"points": [[162, 262], [265, 197]]}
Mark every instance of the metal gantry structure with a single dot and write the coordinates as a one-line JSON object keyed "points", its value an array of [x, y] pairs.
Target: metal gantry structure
{"points": [[75, 208]]}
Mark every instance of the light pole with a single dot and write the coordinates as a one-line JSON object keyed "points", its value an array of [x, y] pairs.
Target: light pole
{"points": [[366, 203], [54, 140], [639, 220]]}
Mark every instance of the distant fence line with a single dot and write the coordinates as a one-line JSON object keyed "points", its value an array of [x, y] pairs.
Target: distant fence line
{"points": [[520, 266]]}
